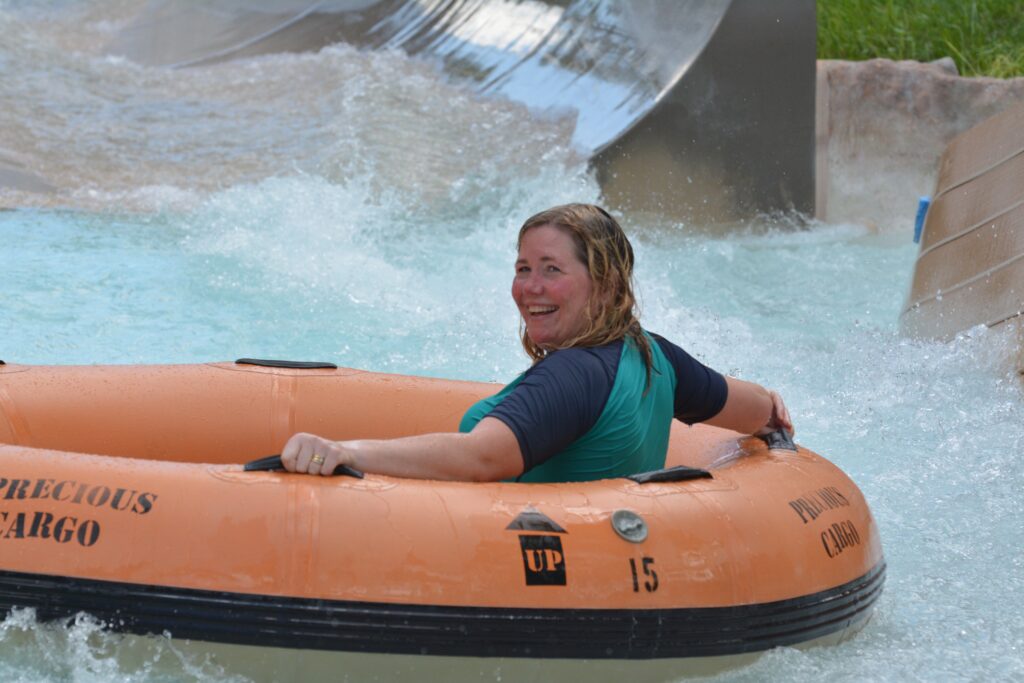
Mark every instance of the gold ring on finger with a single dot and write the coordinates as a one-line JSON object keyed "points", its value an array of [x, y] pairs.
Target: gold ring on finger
{"points": [[318, 459]]}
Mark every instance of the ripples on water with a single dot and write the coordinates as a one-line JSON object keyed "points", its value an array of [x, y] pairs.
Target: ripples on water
{"points": [[351, 207]]}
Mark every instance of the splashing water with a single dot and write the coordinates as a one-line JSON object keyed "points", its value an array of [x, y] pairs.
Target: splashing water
{"points": [[81, 650]]}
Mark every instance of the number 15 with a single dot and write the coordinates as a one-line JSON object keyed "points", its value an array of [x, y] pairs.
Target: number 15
{"points": [[651, 582]]}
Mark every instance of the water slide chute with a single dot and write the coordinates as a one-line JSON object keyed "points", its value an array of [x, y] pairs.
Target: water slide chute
{"points": [[702, 109], [970, 267]]}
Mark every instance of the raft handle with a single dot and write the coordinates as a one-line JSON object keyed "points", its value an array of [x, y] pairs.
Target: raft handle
{"points": [[292, 364], [677, 473], [272, 463], [780, 440]]}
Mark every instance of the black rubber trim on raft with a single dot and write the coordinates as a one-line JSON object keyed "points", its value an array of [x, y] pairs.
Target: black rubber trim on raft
{"points": [[779, 440], [303, 623], [677, 473], [272, 463], [291, 364]]}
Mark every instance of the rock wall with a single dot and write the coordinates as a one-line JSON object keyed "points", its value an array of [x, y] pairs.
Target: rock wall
{"points": [[882, 127]]}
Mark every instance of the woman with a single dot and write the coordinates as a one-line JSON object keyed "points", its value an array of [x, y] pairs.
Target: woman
{"points": [[600, 397]]}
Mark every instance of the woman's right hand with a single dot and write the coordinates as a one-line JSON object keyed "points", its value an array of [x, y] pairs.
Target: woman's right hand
{"points": [[312, 454]]}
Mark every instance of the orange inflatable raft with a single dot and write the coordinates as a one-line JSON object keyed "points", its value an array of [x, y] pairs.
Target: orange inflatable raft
{"points": [[123, 495]]}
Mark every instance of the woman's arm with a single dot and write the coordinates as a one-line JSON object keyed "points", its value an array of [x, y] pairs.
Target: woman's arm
{"points": [[752, 409], [488, 453]]}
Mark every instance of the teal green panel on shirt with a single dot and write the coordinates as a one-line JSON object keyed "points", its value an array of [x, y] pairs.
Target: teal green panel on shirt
{"points": [[630, 435]]}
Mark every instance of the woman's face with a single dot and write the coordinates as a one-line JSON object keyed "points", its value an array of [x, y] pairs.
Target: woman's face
{"points": [[551, 286]]}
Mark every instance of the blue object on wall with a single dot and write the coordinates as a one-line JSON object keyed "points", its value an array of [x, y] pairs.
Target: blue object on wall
{"points": [[922, 210]]}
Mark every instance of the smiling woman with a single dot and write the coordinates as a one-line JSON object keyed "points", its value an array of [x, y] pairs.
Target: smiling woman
{"points": [[552, 288], [598, 401]]}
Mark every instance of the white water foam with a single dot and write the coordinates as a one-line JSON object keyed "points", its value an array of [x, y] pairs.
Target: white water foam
{"points": [[81, 650]]}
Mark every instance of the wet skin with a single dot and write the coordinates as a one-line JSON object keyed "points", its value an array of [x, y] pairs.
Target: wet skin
{"points": [[551, 287]]}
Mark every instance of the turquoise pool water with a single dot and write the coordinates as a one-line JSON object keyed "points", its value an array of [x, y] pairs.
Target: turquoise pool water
{"points": [[232, 211]]}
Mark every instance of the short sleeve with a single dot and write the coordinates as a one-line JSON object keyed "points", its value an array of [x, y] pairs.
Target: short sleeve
{"points": [[700, 391], [558, 400]]}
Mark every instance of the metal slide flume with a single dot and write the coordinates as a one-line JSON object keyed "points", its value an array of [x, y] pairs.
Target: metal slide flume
{"points": [[697, 108]]}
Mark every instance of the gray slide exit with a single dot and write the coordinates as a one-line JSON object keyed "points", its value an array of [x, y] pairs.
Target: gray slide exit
{"points": [[700, 109]]}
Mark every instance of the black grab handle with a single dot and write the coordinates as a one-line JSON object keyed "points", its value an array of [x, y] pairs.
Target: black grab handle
{"points": [[677, 473], [272, 463], [290, 364], [780, 440]]}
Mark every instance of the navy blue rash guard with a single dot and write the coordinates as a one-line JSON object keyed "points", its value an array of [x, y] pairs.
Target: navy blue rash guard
{"points": [[560, 398]]}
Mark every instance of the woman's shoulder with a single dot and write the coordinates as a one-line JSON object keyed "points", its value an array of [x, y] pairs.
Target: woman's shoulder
{"points": [[602, 360], [672, 351]]}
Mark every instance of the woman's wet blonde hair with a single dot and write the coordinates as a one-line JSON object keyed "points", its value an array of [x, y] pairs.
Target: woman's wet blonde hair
{"points": [[603, 248]]}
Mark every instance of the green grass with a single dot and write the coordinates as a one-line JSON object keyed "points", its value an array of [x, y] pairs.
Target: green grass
{"points": [[984, 37]]}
